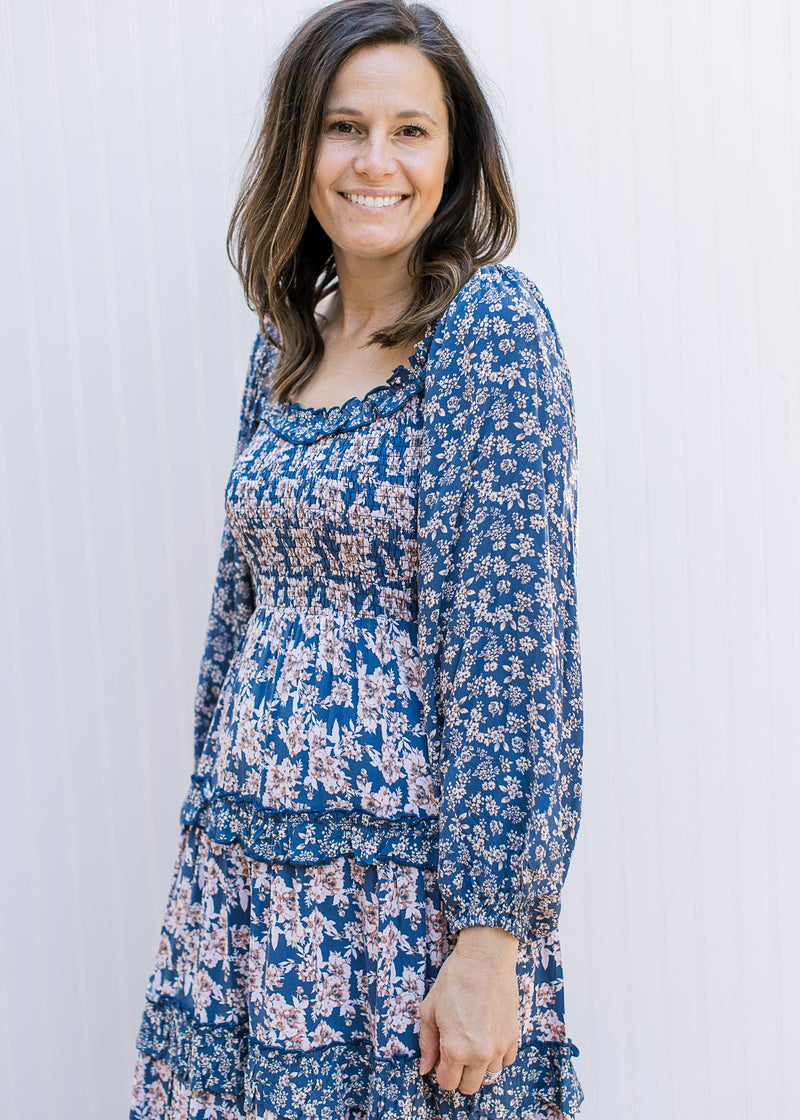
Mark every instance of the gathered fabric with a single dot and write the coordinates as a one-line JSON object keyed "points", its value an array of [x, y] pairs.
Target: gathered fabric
{"points": [[388, 736]]}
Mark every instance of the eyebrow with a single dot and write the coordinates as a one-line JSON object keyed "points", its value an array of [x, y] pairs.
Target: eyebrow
{"points": [[405, 113]]}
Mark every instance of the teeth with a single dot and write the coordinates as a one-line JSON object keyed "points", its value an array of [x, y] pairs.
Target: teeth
{"points": [[366, 200]]}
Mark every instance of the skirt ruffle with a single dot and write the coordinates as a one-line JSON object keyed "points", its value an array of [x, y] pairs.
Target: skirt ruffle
{"points": [[346, 1084], [292, 990]]}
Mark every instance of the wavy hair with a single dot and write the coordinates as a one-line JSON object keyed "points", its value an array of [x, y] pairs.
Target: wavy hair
{"points": [[282, 255]]}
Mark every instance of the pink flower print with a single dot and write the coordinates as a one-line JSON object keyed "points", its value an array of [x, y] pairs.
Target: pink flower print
{"points": [[256, 967], [326, 880], [293, 733], [334, 988], [389, 761], [323, 1035], [401, 895], [317, 927], [380, 643], [554, 948], [296, 665], [272, 976], [333, 648], [409, 672], [325, 769], [404, 1002], [341, 693], [156, 1096], [374, 690], [245, 494], [350, 745], [394, 1047], [369, 915], [303, 547], [240, 938], [203, 991], [249, 741], [288, 1023], [362, 524], [213, 947], [353, 550], [545, 995], [382, 802], [164, 952], [421, 799], [284, 902], [399, 502], [251, 787], [280, 780], [388, 943], [550, 1026], [328, 492]]}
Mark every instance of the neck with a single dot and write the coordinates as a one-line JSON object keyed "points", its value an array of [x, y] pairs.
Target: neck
{"points": [[371, 294]]}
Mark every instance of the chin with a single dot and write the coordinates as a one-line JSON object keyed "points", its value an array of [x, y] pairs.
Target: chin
{"points": [[372, 251]]}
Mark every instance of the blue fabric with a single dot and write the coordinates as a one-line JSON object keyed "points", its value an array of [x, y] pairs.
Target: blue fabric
{"points": [[498, 629], [389, 707]]}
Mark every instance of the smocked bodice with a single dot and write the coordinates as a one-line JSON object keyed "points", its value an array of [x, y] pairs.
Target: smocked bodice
{"points": [[317, 739]]}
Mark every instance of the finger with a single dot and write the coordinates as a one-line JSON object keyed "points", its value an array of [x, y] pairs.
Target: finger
{"points": [[428, 1045], [511, 1054], [472, 1078], [448, 1071]]}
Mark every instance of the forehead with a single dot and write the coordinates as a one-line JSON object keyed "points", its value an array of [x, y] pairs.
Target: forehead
{"points": [[387, 73]]}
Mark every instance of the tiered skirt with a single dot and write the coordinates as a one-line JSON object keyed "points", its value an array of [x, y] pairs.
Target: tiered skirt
{"points": [[291, 990]]}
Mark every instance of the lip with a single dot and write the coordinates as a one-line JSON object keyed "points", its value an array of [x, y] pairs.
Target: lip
{"points": [[372, 194]]}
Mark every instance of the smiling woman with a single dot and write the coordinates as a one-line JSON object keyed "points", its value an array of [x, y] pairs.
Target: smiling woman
{"points": [[277, 242], [363, 918], [380, 172], [378, 180]]}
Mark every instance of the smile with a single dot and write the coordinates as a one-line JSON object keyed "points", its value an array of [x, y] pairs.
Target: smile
{"points": [[374, 202]]}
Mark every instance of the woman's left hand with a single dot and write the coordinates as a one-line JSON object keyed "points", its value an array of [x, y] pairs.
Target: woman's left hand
{"points": [[469, 1020]]}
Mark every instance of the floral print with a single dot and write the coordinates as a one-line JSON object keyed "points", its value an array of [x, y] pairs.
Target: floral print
{"points": [[498, 633], [388, 727]]}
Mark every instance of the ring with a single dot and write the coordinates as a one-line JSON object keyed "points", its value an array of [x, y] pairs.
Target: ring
{"points": [[491, 1076]]}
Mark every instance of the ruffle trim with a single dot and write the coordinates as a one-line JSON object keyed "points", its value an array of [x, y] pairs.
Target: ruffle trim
{"points": [[309, 837], [330, 1080], [305, 424]]}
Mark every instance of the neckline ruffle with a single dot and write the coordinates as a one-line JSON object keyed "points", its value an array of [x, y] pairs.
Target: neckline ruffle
{"points": [[304, 423]]}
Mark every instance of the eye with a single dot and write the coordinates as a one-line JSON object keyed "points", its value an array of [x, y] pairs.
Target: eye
{"points": [[334, 126], [417, 129]]}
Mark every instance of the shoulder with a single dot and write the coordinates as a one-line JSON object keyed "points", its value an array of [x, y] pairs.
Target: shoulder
{"points": [[265, 347], [263, 354], [498, 330], [498, 290], [501, 307]]}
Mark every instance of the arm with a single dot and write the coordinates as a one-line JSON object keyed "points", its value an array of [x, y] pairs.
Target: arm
{"points": [[498, 628], [233, 599], [498, 622]]}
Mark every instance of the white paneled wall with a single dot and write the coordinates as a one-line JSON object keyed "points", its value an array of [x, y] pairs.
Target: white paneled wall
{"points": [[656, 159]]}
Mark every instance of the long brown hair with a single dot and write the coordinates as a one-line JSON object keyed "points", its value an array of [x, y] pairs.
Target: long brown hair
{"points": [[281, 253]]}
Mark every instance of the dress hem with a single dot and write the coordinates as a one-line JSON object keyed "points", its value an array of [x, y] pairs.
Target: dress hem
{"points": [[331, 1080]]}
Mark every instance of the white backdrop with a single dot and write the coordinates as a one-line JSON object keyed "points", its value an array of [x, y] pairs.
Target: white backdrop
{"points": [[656, 160]]}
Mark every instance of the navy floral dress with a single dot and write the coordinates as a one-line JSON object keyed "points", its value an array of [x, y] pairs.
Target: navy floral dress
{"points": [[305, 921]]}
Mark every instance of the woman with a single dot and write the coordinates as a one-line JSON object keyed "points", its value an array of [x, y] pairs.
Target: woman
{"points": [[363, 916]]}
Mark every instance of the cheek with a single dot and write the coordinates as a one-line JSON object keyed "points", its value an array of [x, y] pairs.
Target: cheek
{"points": [[324, 170], [432, 173]]}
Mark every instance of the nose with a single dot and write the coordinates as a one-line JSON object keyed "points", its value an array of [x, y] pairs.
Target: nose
{"points": [[374, 158]]}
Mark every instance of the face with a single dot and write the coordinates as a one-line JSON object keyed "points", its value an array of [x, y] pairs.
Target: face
{"points": [[382, 155]]}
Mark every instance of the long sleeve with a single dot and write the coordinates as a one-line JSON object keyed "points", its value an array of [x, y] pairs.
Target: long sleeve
{"points": [[233, 599], [498, 629]]}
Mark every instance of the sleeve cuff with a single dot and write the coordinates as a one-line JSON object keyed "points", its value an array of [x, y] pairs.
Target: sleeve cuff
{"points": [[528, 920]]}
